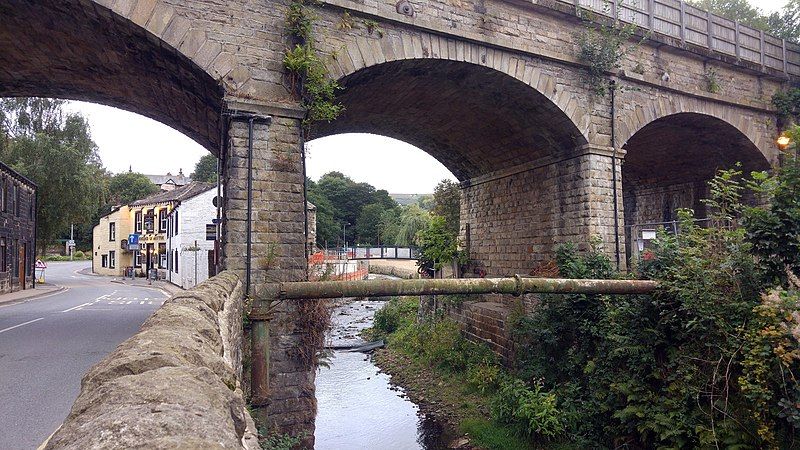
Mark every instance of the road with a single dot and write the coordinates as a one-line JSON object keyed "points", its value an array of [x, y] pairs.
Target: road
{"points": [[47, 344]]}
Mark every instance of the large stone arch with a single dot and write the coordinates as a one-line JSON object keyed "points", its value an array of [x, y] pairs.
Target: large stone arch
{"points": [[138, 56], [561, 86], [474, 119]]}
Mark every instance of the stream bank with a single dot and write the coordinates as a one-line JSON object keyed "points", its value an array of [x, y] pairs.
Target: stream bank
{"points": [[358, 405]]}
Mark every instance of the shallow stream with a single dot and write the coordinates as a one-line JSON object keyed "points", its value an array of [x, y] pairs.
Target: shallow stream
{"points": [[358, 408]]}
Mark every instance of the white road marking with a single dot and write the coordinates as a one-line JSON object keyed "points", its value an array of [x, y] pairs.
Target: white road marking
{"points": [[22, 324], [76, 307], [141, 303]]}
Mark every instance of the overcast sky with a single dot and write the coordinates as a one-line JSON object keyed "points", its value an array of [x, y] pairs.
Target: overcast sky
{"points": [[130, 140]]}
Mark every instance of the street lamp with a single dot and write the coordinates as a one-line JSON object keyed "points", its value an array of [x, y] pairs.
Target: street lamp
{"points": [[344, 242], [784, 141]]}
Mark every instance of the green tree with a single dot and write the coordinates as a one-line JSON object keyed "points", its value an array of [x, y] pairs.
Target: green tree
{"points": [[205, 169], [437, 244], [127, 187], [340, 201], [411, 220], [327, 226], [56, 151], [786, 23], [447, 203], [740, 10], [368, 226]]}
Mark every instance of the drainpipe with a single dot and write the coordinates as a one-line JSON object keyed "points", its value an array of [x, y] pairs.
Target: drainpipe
{"points": [[251, 119], [614, 169], [259, 330]]}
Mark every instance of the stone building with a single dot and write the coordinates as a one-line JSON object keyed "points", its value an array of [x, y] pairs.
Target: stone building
{"points": [[191, 256], [169, 181], [17, 231], [110, 255], [147, 219]]}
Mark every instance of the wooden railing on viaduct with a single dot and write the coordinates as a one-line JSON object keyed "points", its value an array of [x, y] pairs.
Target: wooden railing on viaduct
{"points": [[690, 25]]}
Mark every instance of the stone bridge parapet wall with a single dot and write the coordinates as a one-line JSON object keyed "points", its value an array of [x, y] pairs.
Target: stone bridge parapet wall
{"points": [[174, 384]]}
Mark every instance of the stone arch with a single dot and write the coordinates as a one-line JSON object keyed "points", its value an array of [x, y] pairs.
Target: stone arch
{"points": [[140, 56], [669, 162], [556, 84], [473, 118], [642, 111]]}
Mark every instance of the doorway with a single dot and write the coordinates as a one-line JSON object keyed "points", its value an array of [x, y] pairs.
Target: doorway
{"points": [[150, 257], [23, 263]]}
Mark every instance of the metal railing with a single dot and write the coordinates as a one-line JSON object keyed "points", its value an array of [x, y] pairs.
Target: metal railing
{"points": [[691, 25], [382, 252]]}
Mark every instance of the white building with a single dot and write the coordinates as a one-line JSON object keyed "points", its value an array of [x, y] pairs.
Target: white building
{"points": [[190, 239]]}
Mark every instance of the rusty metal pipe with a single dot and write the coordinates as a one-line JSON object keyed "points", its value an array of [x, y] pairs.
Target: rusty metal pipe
{"points": [[259, 362], [514, 285]]}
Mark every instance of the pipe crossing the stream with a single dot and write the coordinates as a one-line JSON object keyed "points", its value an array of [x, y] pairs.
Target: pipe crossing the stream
{"points": [[517, 285]]}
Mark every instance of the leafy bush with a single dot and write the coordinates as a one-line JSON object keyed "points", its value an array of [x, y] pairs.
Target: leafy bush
{"points": [[530, 407], [706, 361], [398, 312], [79, 255], [440, 344], [280, 442]]}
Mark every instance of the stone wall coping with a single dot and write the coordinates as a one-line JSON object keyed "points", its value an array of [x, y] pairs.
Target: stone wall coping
{"points": [[174, 384]]}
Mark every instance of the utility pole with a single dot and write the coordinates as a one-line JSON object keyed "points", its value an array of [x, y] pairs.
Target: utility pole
{"points": [[71, 239]]}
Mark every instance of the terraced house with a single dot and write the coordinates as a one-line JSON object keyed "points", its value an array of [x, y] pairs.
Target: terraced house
{"points": [[17, 231]]}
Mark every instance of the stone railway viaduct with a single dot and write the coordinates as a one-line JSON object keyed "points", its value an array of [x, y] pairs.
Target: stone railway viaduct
{"points": [[491, 88]]}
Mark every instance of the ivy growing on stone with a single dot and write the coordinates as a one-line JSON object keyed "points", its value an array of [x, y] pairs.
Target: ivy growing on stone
{"points": [[602, 48], [788, 105], [308, 77]]}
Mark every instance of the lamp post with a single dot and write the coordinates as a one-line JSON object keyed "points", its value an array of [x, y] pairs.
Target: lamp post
{"points": [[344, 243], [784, 141]]}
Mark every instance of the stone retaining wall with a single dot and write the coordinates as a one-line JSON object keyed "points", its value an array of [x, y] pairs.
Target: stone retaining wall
{"points": [[175, 384], [394, 271]]}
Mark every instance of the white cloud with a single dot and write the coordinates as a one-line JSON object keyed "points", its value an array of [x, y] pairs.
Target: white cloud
{"points": [[128, 140]]}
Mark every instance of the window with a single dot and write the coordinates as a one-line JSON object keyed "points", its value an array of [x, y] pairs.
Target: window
{"points": [[148, 221], [137, 222], [112, 259], [17, 200], [162, 220], [137, 258], [30, 206], [3, 195], [105, 261], [112, 231], [162, 256], [175, 255], [175, 228]]}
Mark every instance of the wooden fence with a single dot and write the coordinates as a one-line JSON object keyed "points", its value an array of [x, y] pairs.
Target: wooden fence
{"points": [[680, 20]]}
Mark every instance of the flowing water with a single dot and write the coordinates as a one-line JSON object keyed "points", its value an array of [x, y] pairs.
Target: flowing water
{"points": [[357, 406]]}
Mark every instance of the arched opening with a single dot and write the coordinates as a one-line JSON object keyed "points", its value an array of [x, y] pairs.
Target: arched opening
{"points": [[473, 119], [668, 165], [80, 50], [510, 146]]}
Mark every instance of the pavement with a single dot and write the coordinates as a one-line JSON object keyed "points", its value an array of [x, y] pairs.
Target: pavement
{"points": [[49, 337]]}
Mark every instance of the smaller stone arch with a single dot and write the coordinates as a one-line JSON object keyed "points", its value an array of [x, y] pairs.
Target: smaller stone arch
{"points": [[641, 109], [668, 165]]}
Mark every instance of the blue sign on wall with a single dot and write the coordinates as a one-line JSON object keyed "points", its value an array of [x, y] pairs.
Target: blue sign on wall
{"points": [[133, 242]]}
